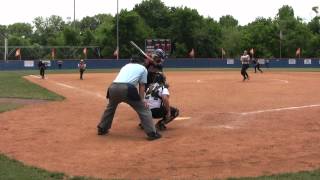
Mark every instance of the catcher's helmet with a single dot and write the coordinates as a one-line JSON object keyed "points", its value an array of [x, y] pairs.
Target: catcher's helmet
{"points": [[159, 78]]}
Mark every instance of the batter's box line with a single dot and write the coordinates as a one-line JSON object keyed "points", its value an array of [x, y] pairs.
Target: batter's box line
{"points": [[278, 109], [98, 95]]}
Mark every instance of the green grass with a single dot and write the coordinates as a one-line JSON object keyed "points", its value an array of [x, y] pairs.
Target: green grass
{"points": [[9, 106], [303, 175], [13, 85], [14, 170]]}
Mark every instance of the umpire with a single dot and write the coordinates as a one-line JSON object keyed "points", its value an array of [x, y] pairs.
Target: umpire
{"points": [[42, 68], [123, 89]]}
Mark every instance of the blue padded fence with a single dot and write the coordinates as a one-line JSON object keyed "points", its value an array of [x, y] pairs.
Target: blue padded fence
{"points": [[169, 63]]}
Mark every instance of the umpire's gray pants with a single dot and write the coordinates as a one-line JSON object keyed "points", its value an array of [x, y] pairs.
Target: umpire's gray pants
{"points": [[117, 93]]}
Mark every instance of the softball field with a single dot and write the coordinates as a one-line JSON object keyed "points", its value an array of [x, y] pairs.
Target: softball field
{"points": [[227, 128]]}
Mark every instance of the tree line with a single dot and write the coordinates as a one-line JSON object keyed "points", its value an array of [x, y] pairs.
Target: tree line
{"points": [[274, 37]]}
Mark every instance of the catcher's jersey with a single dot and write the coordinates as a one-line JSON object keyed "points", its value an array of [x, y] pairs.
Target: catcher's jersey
{"points": [[152, 99]]}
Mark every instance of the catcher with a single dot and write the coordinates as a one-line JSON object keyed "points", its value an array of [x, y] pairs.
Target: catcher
{"points": [[157, 99]]}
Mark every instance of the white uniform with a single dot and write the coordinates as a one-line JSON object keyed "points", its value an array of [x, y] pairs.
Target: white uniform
{"points": [[155, 102], [245, 59]]}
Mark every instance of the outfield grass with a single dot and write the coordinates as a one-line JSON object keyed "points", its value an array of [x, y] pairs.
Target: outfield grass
{"points": [[13, 85]]}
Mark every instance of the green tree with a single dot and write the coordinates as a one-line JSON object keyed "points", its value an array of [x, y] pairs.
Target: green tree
{"points": [[3, 34], [231, 36], [48, 28], [186, 24], [207, 39], [295, 34], [156, 15], [262, 35], [228, 21], [131, 28], [71, 36], [314, 25], [20, 29], [89, 23], [106, 37], [232, 42]]}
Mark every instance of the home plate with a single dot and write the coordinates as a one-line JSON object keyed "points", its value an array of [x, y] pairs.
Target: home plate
{"points": [[182, 118]]}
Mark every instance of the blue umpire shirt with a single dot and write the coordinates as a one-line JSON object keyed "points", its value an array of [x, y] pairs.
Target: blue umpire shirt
{"points": [[132, 73]]}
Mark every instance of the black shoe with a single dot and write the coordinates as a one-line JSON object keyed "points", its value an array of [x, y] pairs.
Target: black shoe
{"points": [[140, 126], [161, 125], [102, 131], [153, 136]]}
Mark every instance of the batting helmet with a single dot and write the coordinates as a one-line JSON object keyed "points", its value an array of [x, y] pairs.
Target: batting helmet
{"points": [[159, 54]]}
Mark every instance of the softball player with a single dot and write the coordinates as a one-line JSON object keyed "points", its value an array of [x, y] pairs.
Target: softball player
{"points": [[82, 67], [256, 65], [154, 66], [245, 60], [157, 98], [42, 67]]}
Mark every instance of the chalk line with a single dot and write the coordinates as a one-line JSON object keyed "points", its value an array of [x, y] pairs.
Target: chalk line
{"points": [[182, 118], [279, 109], [65, 85], [284, 81]]}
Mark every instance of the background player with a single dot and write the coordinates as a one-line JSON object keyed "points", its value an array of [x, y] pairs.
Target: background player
{"points": [[82, 67], [245, 59], [42, 67], [256, 65]]}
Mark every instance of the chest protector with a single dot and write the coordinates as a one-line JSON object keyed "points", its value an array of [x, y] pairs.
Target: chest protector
{"points": [[153, 91]]}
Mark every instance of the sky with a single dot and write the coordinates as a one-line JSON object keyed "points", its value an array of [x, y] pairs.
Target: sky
{"points": [[245, 11]]}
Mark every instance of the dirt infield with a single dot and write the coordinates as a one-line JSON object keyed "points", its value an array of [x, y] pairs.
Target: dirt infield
{"points": [[267, 125]]}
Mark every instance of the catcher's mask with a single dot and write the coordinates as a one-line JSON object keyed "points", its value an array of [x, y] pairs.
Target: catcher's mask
{"points": [[159, 78]]}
